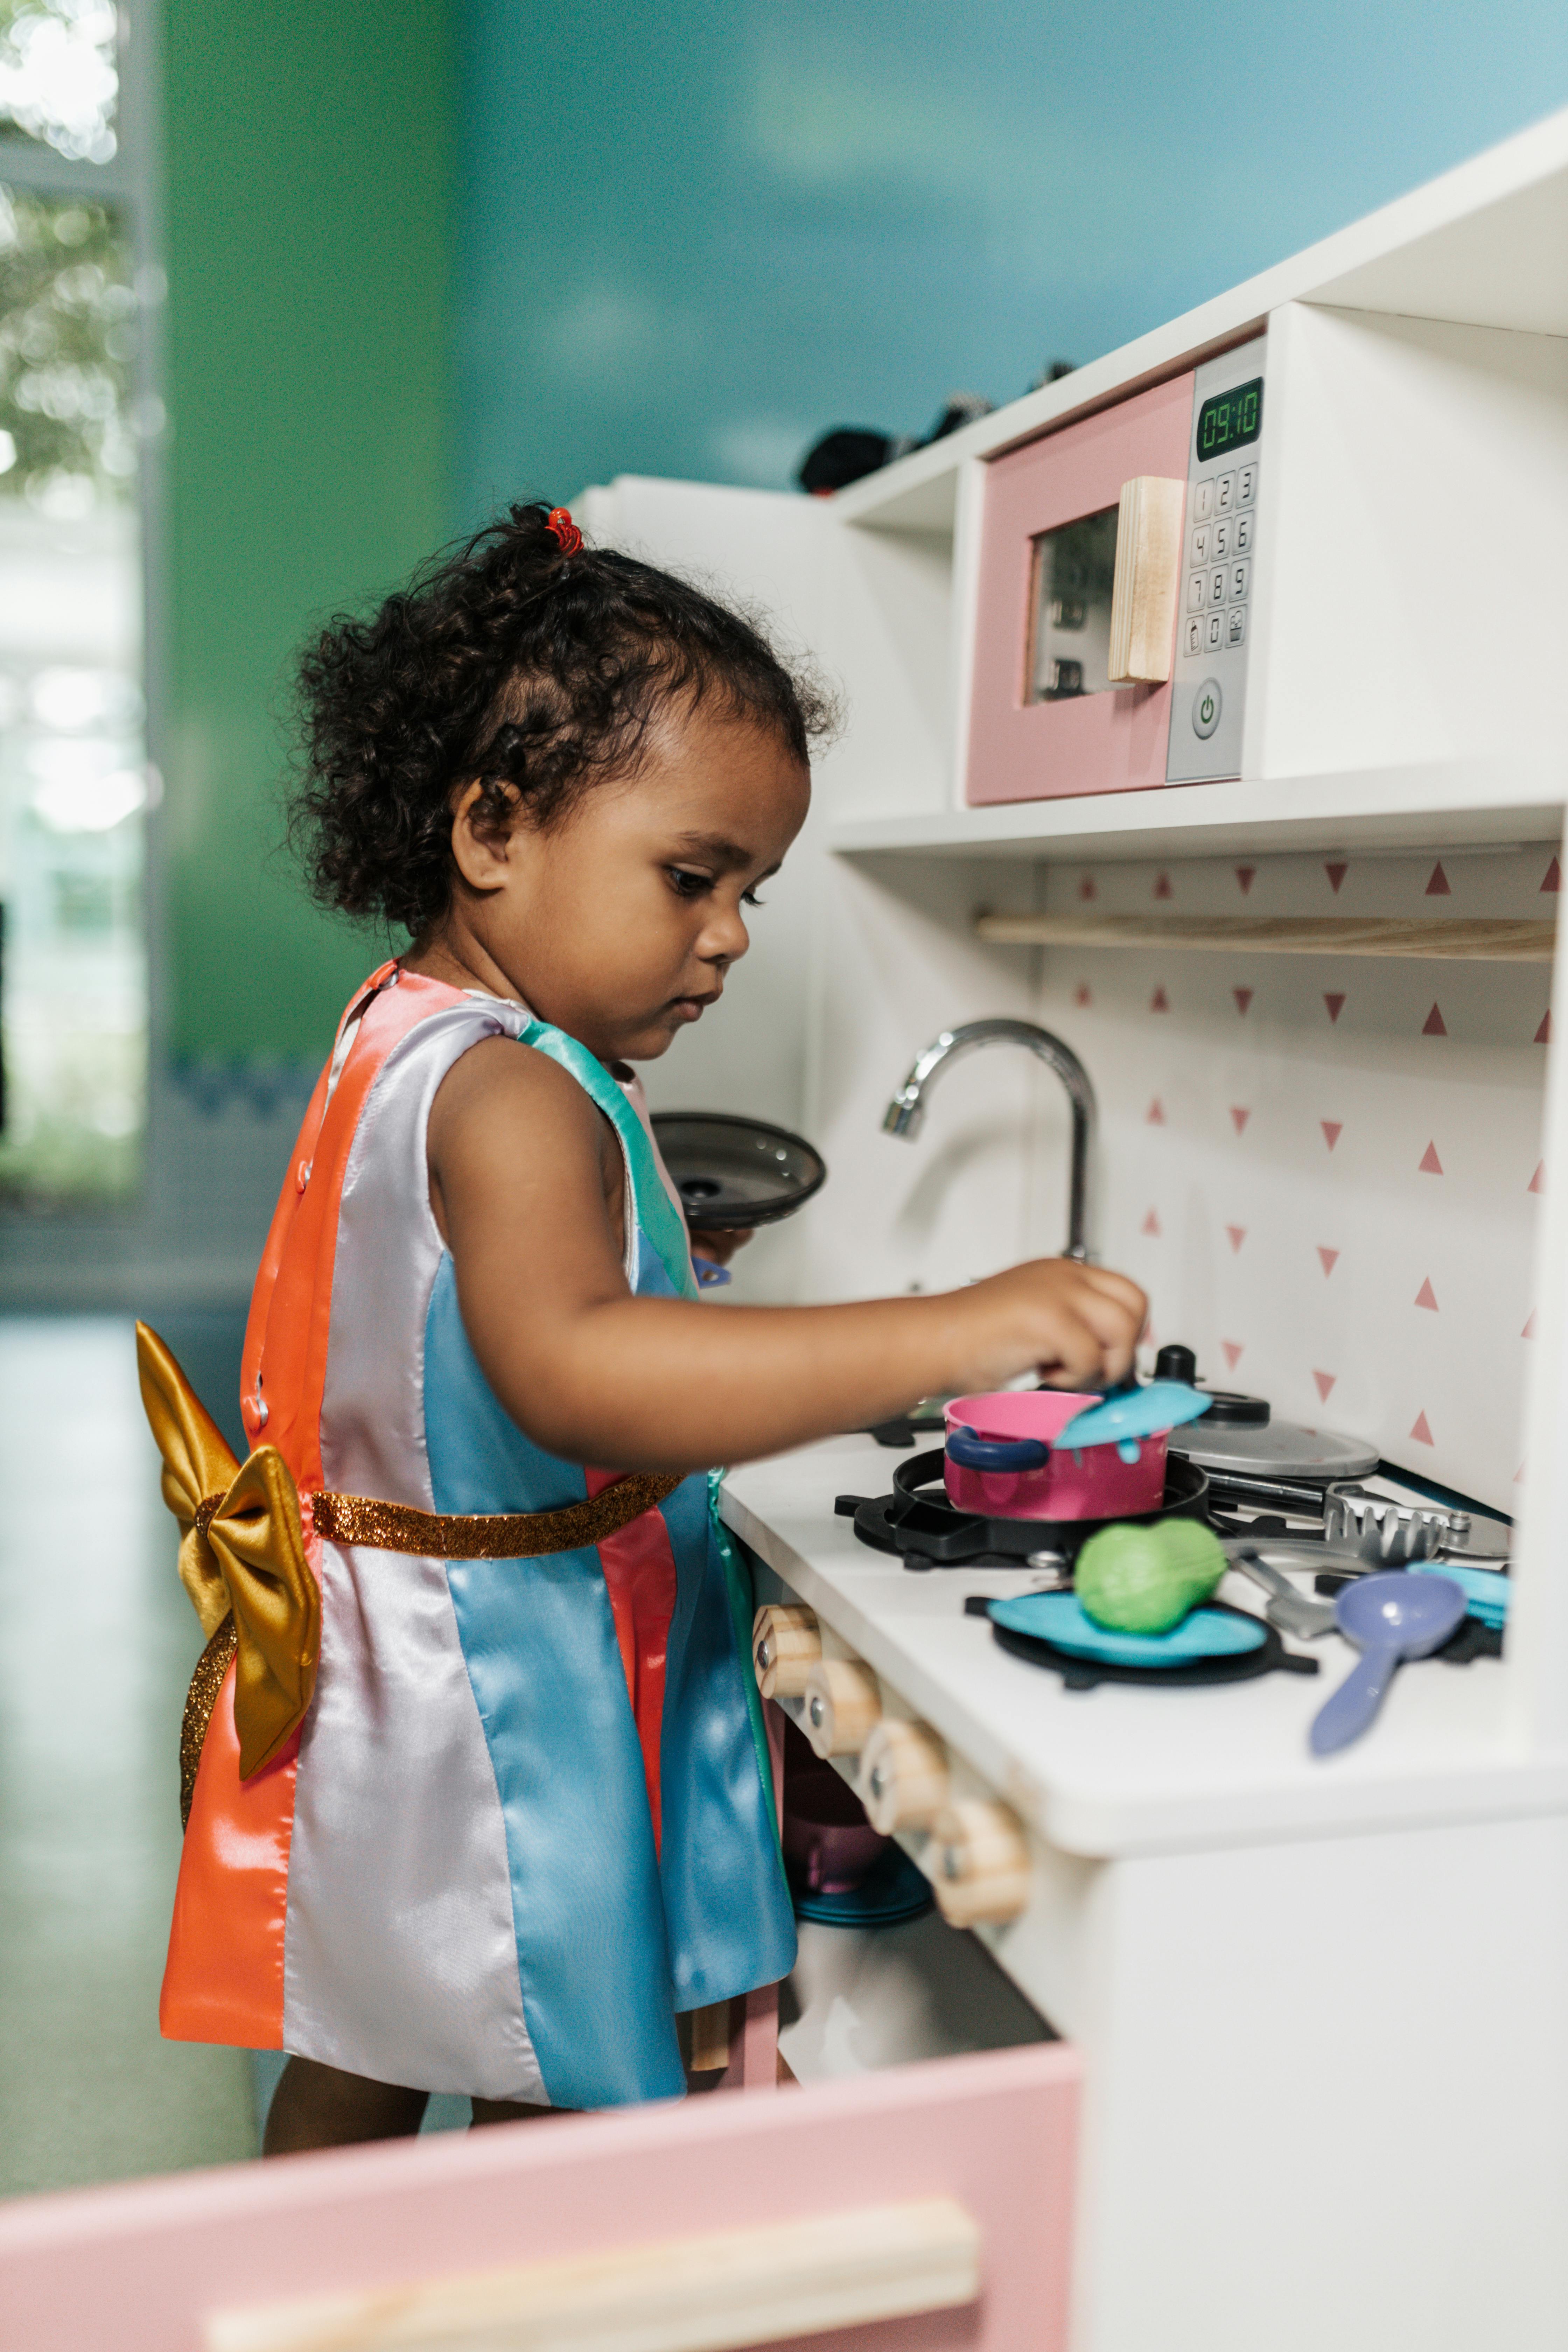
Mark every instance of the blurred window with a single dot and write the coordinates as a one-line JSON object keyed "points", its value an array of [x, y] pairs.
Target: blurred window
{"points": [[74, 778], [59, 74]]}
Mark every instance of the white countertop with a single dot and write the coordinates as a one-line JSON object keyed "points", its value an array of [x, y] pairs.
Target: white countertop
{"points": [[1128, 1768]]}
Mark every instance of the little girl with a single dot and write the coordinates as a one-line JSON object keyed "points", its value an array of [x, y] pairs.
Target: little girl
{"points": [[514, 1817]]}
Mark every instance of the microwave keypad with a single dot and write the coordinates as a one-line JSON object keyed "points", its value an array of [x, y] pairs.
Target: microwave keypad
{"points": [[1219, 566]]}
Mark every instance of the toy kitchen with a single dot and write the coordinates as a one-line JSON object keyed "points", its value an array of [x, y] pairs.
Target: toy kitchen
{"points": [[1184, 891], [1181, 893]]}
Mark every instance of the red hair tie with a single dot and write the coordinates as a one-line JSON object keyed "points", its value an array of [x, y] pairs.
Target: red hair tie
{"points": [[561, 528]]}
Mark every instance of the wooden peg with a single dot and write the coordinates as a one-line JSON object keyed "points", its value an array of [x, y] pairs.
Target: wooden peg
{"points": [[1148, 580], [903, 1776], [842, 1702], [978, 1863], [786, 1645]]}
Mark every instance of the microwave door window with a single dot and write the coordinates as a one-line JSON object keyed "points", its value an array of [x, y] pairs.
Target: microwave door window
{"points": [[1069, 607]]}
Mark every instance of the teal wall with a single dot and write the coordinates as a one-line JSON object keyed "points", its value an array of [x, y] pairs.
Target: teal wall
{"points": [[694, 233], [309, 168]]}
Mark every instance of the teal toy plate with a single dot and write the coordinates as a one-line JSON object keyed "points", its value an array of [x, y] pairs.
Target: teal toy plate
{"points": [[1060, 1619]]}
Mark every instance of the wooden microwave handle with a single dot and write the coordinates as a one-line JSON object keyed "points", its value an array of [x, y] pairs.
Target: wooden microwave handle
{"points": [[1148, 581]]}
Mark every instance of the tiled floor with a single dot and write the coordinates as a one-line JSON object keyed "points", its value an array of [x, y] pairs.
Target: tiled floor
{"points": [[97, 1642]]}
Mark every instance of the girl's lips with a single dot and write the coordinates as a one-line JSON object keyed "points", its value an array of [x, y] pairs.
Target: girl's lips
{"points": [[691, 1008]]}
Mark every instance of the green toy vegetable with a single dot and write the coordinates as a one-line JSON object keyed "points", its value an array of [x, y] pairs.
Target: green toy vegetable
{"points": [[1143, 1580]]}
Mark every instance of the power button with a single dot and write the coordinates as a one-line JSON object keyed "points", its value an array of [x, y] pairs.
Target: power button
{"points": [[1206, 705]]}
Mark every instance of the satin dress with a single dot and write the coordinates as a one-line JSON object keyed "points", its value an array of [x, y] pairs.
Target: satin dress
{"points": [[527, 1818]]}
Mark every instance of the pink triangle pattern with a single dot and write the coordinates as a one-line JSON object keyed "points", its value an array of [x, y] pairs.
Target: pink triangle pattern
{"points": [[1553, 878], [1326, 1381], [1244, 997], [1237, 1235], [1239, 1118], [1430, 1163], [1439, 887], [1233, 1350], [1435, 1025], [1544, 1035], [1085, 888], [1155, 1114], [1335, 1003], [1151, 1225], [1330, 1258], [1529, 1330], [1428, 1296], [1083, 995], [1538, 1181], [1422, 1431], [1245, 876], [1519, 1473], [1332, 1131], [1159, 1001], [1336, 873], [1163, 886]]}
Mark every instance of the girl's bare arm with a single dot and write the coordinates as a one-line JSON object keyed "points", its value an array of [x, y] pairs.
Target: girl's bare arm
{"points": [[517, 1164]]}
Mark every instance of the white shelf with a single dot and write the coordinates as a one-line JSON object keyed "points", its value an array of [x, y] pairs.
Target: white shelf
{"points": [[1420, 807], [1486, 245]]}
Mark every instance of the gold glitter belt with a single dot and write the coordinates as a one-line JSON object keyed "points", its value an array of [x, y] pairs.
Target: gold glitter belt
{"points": [[242, 1558]]}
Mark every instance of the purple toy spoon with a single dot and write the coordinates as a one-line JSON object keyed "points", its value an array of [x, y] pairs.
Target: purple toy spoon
{"points": [[1389, 1617]]}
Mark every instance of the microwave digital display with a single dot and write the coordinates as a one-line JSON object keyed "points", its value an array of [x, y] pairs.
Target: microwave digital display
{"points": [[1230, 419]]}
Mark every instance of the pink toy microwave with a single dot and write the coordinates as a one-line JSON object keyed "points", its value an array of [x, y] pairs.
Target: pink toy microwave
{"points": [[1116, 593]]}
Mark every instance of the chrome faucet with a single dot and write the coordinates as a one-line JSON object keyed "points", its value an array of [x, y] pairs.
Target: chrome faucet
{"points": [[906, 1109]]}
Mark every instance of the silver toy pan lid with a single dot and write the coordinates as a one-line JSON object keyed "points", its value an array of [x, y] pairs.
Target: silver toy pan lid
{"points": [[1281, 1449]]}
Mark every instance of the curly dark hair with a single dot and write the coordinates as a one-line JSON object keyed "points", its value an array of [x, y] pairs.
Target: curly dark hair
{"points": [[536, 672]]}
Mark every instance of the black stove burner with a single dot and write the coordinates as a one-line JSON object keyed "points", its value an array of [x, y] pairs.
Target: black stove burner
{"points": [[1080, 1674], [928, 1531]]}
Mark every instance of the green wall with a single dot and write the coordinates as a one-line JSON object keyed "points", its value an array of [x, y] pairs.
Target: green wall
{"points": [[308, 163]]}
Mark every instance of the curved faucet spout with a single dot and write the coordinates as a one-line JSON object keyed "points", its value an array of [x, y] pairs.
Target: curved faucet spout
{"points": [[906, 1109]]}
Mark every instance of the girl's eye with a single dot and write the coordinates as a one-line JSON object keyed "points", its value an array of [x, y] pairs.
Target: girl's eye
{"points": [[687, 884]]}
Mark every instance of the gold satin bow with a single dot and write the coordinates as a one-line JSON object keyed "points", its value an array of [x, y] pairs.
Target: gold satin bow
{"points": [[242, 1554]]}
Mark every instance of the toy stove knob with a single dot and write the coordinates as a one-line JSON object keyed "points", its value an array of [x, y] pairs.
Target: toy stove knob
{"points": [[786, 1645], [903, 1776], [978, 1863], [842, 1704]]}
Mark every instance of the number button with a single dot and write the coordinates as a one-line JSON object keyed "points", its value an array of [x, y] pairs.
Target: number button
{"points": [[1203, 504], [1238, 578], [1244, 534], [1216, 586], [1196, 591], [1223, 531], [1216, 636], [1201, 543], [1195, 636], [1235, 625], [1225, 493], [1246, 486]]}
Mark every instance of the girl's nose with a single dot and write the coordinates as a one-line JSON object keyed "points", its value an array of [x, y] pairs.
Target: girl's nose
{"points": [[725, 937]]}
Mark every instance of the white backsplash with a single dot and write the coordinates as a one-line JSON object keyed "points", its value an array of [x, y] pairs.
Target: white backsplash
{"points": [[1325, 1170]]}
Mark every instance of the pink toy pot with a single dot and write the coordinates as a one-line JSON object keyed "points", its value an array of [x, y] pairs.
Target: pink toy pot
{"points": [[1015, 1483]]}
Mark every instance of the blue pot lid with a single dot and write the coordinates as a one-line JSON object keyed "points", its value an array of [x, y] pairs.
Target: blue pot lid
{"points": [[1060, 1619]]}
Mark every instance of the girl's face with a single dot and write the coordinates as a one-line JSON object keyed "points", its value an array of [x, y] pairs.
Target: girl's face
{"points": [[620, 924]]}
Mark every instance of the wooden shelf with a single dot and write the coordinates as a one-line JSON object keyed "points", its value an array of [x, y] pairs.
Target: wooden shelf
{"points": [[1428, 806], [1468, 940]]}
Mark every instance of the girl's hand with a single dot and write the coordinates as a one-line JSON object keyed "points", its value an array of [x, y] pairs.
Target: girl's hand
{"points": [[1076, 1325], [720, 1246]]}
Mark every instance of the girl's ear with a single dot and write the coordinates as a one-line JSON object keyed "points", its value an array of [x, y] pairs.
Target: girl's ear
{"points": [[481, 847]]}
